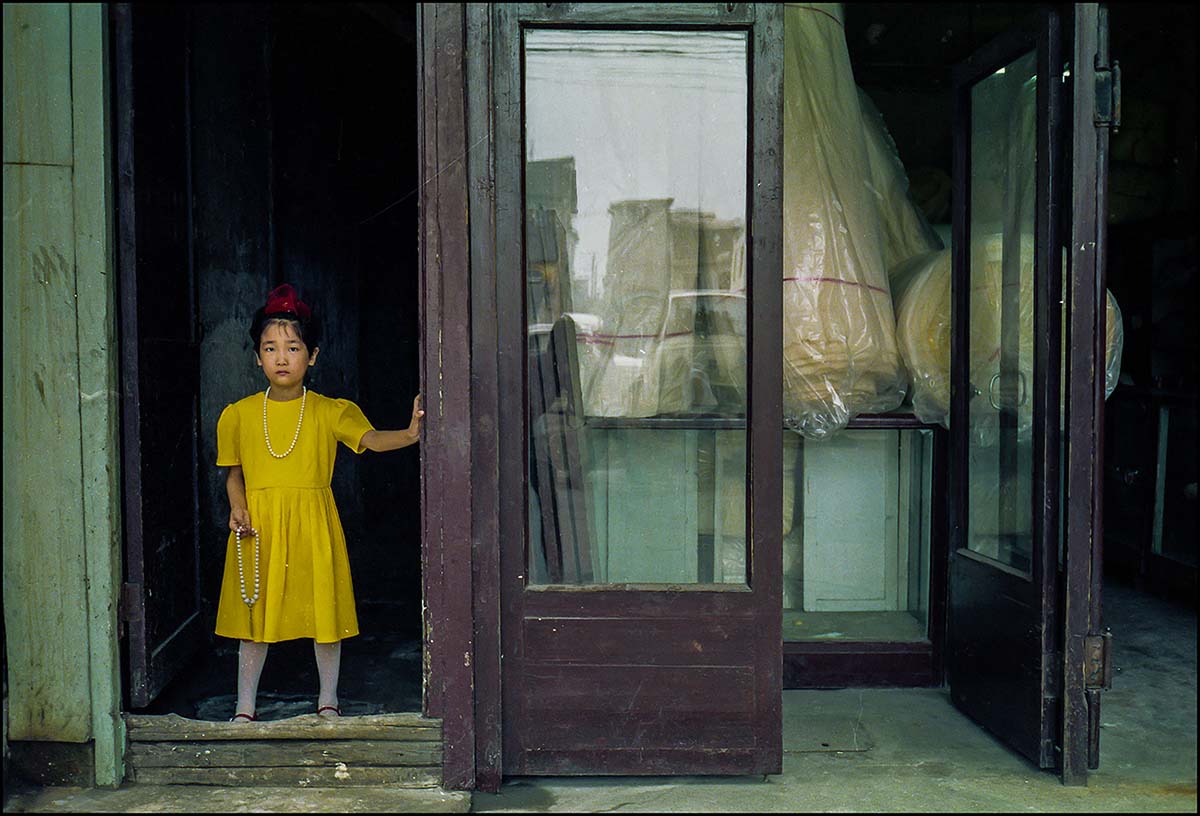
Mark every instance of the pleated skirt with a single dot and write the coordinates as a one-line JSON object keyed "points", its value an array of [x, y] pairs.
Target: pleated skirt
{"points": [[304, 584]]}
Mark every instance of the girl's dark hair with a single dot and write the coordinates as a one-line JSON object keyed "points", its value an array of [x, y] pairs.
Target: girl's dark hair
{"points": [[309, 330]]}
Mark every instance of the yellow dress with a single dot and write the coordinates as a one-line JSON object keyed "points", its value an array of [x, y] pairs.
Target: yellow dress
{"points": [[304, 573]]}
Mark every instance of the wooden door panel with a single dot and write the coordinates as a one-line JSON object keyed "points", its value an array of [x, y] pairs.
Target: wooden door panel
{"points": [[638, 694], [998, 655], [159, 351], [618, 687], [1019, 633], [640, 641], [576, 730]]}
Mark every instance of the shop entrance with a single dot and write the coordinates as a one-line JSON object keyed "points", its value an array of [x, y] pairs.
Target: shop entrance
{"points": [[258, 144], [623, 258], [619, 441]]}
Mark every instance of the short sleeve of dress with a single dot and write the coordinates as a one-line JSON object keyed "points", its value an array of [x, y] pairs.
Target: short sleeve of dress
{"points": [[227, 438], [349, 424]]}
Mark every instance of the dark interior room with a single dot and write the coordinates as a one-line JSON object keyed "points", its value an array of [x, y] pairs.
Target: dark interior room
{"points": [[299, 149]]}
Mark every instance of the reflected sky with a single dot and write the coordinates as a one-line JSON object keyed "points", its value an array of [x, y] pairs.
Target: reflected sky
{"points": [[646, 115]]}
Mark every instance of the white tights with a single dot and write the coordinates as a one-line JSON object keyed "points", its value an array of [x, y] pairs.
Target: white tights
{"points": [[329, 664], [252, 656]]}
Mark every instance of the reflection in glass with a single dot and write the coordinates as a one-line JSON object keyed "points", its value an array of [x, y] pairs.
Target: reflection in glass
{"points": [[636, 149], [1001, 234]]}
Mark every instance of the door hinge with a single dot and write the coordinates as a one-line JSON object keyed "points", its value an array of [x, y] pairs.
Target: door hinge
{"points": [[1097, 661], [1108, 96]]}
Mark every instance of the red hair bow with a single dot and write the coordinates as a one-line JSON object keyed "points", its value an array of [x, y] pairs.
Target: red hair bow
{"points": [[284, 298]]}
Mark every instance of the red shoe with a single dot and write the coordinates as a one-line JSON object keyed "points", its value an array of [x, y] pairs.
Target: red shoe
{"points": [[247, 717], [334, 709]]}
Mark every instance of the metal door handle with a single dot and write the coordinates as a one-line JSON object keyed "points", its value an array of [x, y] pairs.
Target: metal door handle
{"points": [[1022, 392]]}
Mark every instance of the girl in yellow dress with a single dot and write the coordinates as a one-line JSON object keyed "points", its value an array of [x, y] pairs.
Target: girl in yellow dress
{"points": [[287, 574]]}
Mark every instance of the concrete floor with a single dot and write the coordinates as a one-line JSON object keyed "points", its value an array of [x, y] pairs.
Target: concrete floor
{"points": [[884, 750]]}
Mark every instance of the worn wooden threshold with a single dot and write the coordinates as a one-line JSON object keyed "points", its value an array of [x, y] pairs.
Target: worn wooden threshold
{"points": [[166, 727], [400, 750]]}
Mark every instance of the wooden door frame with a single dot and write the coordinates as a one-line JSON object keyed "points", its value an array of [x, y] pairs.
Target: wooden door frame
{"points": [[451, 429], [150, 665], [497, 226], [485, 433], [1075, 676], [1085, 360]]}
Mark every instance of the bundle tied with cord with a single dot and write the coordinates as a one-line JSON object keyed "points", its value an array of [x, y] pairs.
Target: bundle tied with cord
{"points": [[1003, 209], [923, 329], [839, 348]]}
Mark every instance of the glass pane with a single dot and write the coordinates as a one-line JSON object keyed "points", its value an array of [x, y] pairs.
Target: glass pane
{"points": [[636, 146], [856, 566], [1002, 229]]}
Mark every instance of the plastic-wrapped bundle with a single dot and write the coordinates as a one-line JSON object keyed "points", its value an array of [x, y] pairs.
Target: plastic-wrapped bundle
{"points": [[921, 287], [923, 328], [906, 232], [703, 347], [1003, 199], [1114, 344], [839, 348]]}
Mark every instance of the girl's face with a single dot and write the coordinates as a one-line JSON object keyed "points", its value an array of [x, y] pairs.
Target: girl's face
{"points": [[283, 357]]}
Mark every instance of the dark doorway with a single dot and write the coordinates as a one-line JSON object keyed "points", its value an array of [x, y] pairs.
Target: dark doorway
{"points": [[299, 149]]}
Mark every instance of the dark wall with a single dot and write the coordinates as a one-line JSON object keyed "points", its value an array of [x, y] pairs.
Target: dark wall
{"points": [[303, 132], [232, 239], [1152, 273]]}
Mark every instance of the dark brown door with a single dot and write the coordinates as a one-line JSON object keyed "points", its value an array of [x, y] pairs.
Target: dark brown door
{"points": [[159, 362], [1026, 196], [637, 255]]}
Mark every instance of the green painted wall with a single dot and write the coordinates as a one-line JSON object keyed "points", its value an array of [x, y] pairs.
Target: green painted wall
{"points": [[61, 447]]}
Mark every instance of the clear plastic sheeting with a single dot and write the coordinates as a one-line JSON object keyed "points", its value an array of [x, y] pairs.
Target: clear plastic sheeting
{"points": [[921, 287], [906, 231], [923, 330], [839, 347], [1114, 344]]}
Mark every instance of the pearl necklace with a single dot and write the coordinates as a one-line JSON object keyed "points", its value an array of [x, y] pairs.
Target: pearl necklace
{"points": [[267, 435], [241, 573]]}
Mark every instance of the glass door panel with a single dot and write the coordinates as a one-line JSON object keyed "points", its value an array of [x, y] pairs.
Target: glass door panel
{"points": [[1001, 240], [635, 206]]}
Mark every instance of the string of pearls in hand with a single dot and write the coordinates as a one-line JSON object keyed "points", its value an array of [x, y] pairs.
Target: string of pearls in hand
{"points": [[241, 573], [267, 435]]}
